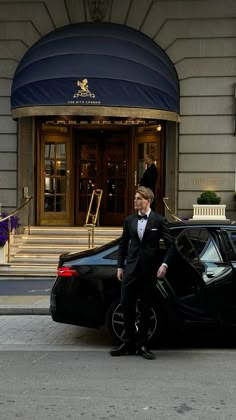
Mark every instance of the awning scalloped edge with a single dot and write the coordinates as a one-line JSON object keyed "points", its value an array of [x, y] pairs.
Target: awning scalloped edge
{"points": [[104, 111]]}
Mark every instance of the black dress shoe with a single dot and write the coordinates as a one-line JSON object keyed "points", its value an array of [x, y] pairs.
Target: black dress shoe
{"points": [[124, 348], [145, 353]]}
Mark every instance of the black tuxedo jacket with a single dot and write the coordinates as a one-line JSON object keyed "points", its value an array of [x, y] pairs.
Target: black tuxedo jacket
{"points": [[133, 251], [149, 178]]}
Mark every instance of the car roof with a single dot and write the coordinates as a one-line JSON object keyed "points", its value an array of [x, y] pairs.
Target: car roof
{"points": [[203, 223], [173, 225]]}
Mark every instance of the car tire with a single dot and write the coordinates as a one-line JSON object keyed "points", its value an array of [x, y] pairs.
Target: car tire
{"points": [[114, 322]]}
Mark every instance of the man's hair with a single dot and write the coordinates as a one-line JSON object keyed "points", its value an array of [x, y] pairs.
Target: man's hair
{"points": [[150, 157], [145, 193]]}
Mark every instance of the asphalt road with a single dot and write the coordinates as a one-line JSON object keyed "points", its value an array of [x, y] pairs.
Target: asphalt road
{"points": [[183, 384], [57, 371], [26, 287]]}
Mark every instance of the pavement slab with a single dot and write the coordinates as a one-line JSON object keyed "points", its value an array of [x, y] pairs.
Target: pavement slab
{"points": [[24, 305], [32, 332]]}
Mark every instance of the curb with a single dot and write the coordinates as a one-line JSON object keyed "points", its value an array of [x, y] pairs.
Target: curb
{"points": [[6, 310], [25, 305]]}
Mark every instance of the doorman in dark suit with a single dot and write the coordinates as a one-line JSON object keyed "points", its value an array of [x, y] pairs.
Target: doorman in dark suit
{"points": [[149, 177], [138, 269]]}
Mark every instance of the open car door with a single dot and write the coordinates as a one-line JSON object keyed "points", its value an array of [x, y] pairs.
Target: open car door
{"points": [[210, 296]]}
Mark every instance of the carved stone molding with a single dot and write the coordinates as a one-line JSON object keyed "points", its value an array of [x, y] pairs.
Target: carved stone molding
{"points": [[98, 9]]}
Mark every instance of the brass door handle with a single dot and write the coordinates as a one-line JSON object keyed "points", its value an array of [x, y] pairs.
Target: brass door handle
{"points": [[68, 177]]}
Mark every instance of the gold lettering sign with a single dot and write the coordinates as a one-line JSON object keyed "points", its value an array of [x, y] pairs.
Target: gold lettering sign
{"points": [[208, 183]]}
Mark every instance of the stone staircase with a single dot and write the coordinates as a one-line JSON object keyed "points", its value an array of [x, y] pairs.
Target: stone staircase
{"points": [[37, 254]]}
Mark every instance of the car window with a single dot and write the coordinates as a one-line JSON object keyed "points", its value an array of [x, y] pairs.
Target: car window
{"points": [[209, 252], [230, 240], [197, 245], [112, 256], [200, 248]]}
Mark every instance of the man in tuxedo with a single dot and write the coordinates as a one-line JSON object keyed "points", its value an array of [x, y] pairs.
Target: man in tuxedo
{"points": [[149, 177], [139, 247]]}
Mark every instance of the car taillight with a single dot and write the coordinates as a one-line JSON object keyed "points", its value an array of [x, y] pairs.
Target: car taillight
{"points": [[66, 272]]}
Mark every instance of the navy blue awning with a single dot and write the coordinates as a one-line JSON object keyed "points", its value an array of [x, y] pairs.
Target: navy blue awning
{"points": [[95, 65]]}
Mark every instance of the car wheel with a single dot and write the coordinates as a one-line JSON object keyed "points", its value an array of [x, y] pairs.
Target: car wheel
{"points": [[115, 322]]}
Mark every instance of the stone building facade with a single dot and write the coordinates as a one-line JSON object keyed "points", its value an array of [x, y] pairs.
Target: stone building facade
{"points": [[199, 37]]}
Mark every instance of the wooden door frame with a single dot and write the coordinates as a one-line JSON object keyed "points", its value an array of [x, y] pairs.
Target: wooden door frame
{"points": [[55, 134], [134, 137]]}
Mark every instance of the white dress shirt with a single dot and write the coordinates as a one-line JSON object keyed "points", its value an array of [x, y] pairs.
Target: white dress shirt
{"points": [[142, 224]]}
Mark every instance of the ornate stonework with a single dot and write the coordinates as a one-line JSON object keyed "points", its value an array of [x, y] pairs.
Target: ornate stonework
{"points": [[98, 9]]}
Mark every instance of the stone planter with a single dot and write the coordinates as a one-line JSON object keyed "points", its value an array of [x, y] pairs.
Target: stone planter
{"points": [[209, 211]]}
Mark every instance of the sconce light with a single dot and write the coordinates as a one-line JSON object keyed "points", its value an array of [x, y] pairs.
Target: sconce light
{"points": [[158, 127]]}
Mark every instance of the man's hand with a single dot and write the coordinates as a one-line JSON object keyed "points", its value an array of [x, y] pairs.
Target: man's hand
{"points": [[161, 271], [120, 273]]}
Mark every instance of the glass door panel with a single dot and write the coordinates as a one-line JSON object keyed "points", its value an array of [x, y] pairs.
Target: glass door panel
{"points": [[55, 177], [87, 174], [55, 181], [115, 179]]}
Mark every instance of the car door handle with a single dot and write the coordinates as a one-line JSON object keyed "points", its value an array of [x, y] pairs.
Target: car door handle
{"points": [[210, 274]]}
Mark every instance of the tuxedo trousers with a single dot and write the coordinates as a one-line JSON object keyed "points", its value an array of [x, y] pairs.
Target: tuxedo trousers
{"points": [[137, 293]]}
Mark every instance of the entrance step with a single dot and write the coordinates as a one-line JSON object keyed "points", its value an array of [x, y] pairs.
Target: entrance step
{"points": [[37, 254], [34, 248], [35, 258], [28, 270], [73, 231], [67, 240]]}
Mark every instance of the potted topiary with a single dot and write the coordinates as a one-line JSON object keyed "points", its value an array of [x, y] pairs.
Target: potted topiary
{"points": [[208, 207], [208, 197]]}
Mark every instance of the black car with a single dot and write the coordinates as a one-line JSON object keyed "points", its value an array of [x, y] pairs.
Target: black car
{"points": [[199, 290]]}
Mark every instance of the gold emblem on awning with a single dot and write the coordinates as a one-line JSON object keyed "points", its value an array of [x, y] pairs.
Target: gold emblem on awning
{"points": [[84, 90]]}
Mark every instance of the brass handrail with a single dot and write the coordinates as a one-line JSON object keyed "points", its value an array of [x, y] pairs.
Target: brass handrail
{"points": [[95, 194], [170, 211], [8, 217]]}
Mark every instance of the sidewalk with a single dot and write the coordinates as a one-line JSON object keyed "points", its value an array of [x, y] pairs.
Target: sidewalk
{"points": [[41, 333], [24, 305]]}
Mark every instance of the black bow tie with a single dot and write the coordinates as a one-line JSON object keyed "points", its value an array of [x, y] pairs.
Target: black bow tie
{"points": [[142, 217]]}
